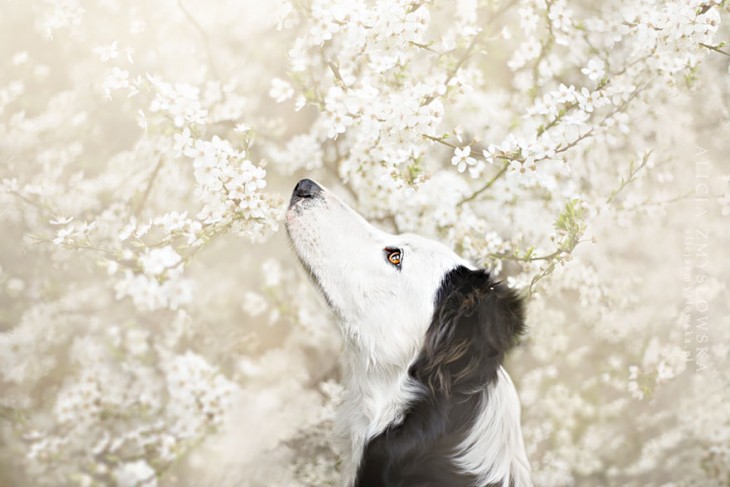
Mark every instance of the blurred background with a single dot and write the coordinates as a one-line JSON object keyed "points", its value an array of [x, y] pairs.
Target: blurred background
{"points": [[155, 326]]}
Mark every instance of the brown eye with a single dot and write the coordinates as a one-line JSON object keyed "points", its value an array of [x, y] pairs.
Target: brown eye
{"points": [[394, 256]]}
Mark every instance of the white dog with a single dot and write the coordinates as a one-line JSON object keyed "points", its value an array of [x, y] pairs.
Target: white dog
{"points": [[427, 402]]}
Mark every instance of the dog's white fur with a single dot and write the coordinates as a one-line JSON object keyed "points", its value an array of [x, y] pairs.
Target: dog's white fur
{"points": [[384, 314], [494, 449]]}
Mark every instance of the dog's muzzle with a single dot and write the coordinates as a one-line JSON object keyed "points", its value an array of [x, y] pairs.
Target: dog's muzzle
{"points": [[305, 189]]}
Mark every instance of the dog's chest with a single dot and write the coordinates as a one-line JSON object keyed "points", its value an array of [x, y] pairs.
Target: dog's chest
{"points": [[372, 404]]}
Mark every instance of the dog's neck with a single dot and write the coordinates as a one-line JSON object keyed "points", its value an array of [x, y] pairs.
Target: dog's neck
{"points": [[376, 396]]}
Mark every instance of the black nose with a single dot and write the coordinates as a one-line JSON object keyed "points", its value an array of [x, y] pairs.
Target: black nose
{"points": [[306, 188]]}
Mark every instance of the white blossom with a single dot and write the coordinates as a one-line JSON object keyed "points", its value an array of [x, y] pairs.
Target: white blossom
{"points": [[280, 90], [156, 261], [594, 69], [135, 474]]}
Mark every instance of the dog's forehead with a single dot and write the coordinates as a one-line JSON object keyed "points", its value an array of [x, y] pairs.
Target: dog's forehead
{"points": [[432, 251], [424, 244]]}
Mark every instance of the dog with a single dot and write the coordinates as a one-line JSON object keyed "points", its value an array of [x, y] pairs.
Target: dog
{"points": [[427, 402]]}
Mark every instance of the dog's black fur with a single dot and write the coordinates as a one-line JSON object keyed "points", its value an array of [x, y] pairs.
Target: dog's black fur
{"points": [[476, 321]]}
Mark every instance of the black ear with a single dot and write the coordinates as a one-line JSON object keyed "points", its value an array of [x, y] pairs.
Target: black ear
{"points": [[476, 321]]}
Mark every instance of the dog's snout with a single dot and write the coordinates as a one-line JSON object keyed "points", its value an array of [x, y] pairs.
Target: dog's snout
{"points": [[306, 188]]}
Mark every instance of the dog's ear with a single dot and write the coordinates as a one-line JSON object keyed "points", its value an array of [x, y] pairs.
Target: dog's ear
{"points": [[476, 321]]}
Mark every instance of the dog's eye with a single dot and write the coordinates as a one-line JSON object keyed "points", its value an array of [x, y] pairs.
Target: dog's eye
{"points": [[395, 256]]}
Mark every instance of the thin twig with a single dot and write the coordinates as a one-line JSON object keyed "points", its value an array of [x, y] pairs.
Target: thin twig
{"points": [[470, 48], [715, 48], [633, 171], [204, 36], [440, 141], [486, 186], [335, 70], [35, 204], [545, 46], [667, 201], [148, 188], [505, 256], [425, 47]]}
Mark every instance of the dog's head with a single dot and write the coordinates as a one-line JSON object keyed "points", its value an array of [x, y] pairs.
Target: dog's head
{"points": [[387, 290]]}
